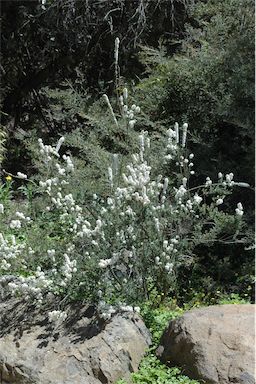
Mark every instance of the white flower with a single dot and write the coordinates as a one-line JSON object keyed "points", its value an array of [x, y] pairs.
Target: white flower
{"points": [[180, 192], [165, 186], [197, 198], [176, 127], [169, 267], [55, 316], [189, 204], [21, 215], [15, 224], [157, 224], [125, 93], [51, 252], [239, 209], [117, 42], [165, 244], [132, 123], [184, 134], [1, 208], [22, 175], [171, 137], [239, 206], [208, 182], [219, 202], [104, 263], [229, 179], [157, 259], [110, 176]]}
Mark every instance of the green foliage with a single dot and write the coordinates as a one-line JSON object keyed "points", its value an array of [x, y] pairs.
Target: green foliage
{"points": [[152, 371], [44, 44], [209, 84], [157, 319], [233, 298]]}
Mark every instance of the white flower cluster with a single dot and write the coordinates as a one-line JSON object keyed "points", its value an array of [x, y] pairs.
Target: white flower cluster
{"points": [[57, 316], [15, 224], [169, 251], [228, 181], [106, 311], [180, 193], [208, 182], [48, 184], [137, 181], [173, 141], [21, 216], [47, 151], [128, 113], [133, 235], [68, 269], [32, 286], [10, 252], [104, 263]]}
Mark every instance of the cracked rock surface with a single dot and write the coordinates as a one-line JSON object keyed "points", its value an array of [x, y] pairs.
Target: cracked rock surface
{"points": [[84, 349], [215, 344]]}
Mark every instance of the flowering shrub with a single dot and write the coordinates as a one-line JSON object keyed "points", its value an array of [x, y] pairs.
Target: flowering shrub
{"points": [[120, 247]]}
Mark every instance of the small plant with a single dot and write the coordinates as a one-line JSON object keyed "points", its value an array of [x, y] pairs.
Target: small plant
{"points": [[233, 298], [157, 319], [151, 370]]}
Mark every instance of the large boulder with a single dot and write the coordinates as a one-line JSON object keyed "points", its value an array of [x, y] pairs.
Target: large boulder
{"points": [[215, 344], [84, 349]]}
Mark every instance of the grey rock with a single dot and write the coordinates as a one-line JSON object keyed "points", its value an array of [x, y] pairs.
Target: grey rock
{"points": [[84, 349], [215, 344]]}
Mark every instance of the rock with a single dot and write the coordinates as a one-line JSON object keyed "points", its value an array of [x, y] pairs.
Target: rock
{"points": [[84, 349], [214, 344]]}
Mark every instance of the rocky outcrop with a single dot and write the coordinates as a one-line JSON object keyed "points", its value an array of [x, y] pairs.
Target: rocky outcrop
{"points": [[84, 349], [214, 344]]}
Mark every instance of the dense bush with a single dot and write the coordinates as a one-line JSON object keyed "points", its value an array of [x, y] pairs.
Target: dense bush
{"points": [[133, 240], [200, 84]]}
